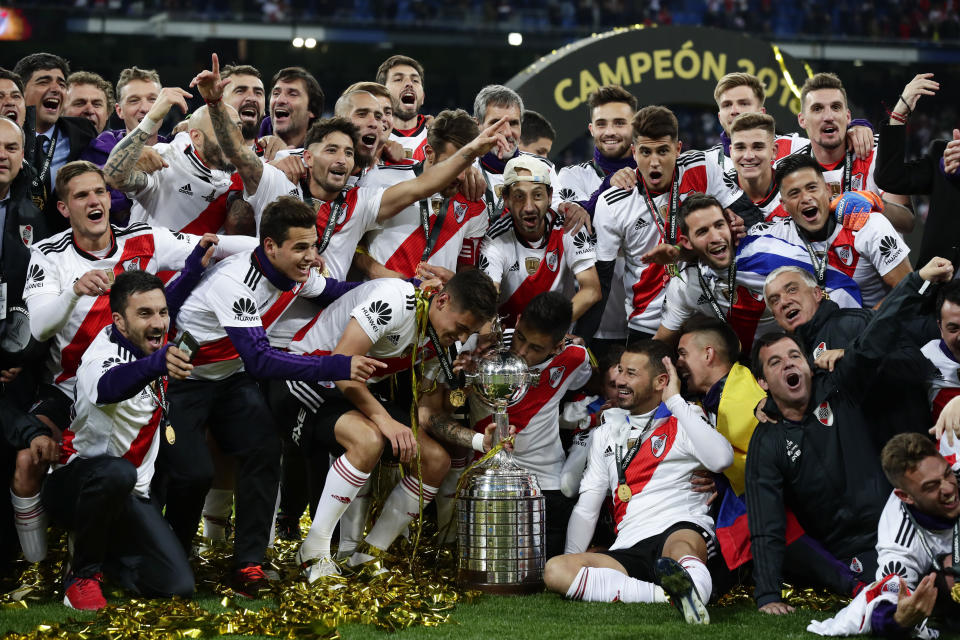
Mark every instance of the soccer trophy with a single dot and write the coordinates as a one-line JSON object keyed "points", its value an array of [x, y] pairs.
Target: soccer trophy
{"points": [[500, 521]]}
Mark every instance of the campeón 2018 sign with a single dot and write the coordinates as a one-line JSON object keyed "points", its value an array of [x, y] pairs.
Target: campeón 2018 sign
{"points": [[659, 65]]}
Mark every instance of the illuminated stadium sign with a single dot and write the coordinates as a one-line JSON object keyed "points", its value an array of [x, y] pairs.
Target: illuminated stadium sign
{"points": [[664, 65]]}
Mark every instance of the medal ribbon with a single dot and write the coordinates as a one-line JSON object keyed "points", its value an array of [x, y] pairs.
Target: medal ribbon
{"points": [[494, 205], [432, 235], [712, 299], [39, 185], [336, 208], [159, 395], [819, 266], [623, 463], [670, 226]]}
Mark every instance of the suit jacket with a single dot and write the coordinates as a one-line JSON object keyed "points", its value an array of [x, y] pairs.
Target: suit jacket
{"points": [[79, 132], [941, 231]]}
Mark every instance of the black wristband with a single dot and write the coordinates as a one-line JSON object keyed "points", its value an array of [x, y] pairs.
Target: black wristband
{"points": [[907, 105]]}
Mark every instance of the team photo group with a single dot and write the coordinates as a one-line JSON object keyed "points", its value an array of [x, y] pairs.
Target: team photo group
{"points": [[255, 300]]}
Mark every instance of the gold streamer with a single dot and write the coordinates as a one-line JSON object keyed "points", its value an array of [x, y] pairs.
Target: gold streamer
{"points": [[815, 599], [787, 77]]}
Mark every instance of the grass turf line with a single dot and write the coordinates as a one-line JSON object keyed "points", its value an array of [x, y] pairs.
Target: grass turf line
{"points": [[542, 616]]}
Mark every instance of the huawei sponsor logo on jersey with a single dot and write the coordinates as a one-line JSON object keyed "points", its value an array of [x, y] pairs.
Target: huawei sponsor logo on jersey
{"points": [[889, 249], [567, 194], [35, 277], [109, 363], [245, 310], [378, 314], [582, 242]]}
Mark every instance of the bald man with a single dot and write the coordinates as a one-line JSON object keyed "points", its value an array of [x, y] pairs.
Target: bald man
{"points": [[191, 193]]}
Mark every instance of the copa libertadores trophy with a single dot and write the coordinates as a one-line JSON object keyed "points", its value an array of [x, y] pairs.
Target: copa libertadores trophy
{"points": [[500, 509]]}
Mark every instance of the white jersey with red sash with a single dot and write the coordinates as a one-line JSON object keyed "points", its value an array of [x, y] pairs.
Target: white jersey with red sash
{"points": [[658, 477], [625, 225], [493, 176], [865, 255], [537, 447], [946, 386], [273, 184], [356, 210], [579, 182], [126, 429], [769, 205], [386, 310], [186, 195], [523, 271], [400, 243], [412, 140], [700, 289], [57, 262], [235, 293]]}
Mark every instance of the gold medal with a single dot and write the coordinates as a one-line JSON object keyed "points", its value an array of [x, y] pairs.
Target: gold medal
{"points": [[458, 397], [955, 592], [672, 270], [624, 492], [170, 434]]}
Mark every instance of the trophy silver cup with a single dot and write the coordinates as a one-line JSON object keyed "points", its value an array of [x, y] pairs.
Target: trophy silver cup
{"points": [[500, 521]]}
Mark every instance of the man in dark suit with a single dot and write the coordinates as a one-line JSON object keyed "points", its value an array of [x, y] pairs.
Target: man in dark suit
{"points": [[52, 140], [929, 175]]}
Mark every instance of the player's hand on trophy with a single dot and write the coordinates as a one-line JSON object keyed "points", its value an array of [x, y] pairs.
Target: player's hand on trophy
{"points": [[362, 367], [490, 433], [828, 359], [402, 442]]}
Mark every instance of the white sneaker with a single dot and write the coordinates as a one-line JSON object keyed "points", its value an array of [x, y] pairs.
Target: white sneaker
{"points": [[315, 568]]}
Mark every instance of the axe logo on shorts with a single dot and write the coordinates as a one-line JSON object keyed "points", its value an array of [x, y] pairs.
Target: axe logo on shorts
{"points": [[824, 414], [556, 375], [657, 445]]}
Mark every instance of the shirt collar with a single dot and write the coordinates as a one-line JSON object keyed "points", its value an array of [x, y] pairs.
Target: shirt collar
{"points": [[277, 279]]}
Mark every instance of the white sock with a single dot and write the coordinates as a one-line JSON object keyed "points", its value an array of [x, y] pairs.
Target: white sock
{"points": [[447, 498], [599, 584], [343, 483], [402, 506], [217, 507], [353, 520], [30, 519], [699, 574]]}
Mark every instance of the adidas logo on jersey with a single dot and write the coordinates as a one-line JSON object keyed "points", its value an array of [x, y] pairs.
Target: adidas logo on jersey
{"points": [[608, 452], [378, 314], [640, 224], [703, 299], [245, 310], [294, 193], [178, 235], [394, 339], [35, 277], [515, 267], [186, 190], [889, 251], [483, 264]]}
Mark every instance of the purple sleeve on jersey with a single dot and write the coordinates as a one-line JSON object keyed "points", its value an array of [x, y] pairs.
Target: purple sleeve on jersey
{"points": [[860, 122], [127, 380], [883, 624], [590, 204], [263, 361], [179, 290], [333, 290]]}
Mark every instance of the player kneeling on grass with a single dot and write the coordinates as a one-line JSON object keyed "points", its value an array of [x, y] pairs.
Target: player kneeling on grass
{"points": [[644, 454], [101, 491]]}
